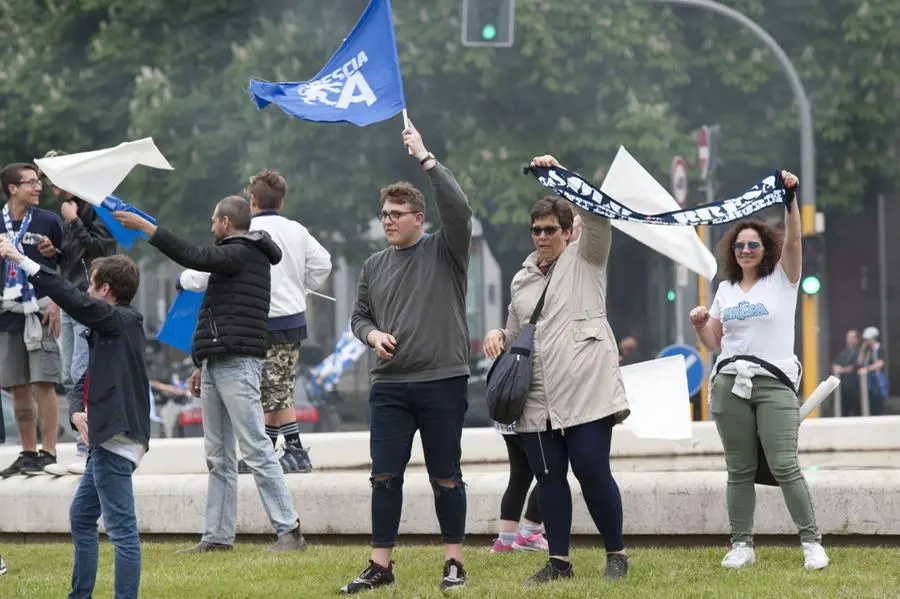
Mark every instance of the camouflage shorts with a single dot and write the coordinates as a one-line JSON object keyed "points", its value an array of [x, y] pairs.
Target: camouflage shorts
{"points": [[279, 372]]}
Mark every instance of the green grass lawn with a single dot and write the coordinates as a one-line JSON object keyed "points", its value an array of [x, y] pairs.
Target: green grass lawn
{"points": [[38, 570]]}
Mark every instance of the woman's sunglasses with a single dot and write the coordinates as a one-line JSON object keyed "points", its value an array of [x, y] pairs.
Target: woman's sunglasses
{"points": [[750, 245], [548, 231]]}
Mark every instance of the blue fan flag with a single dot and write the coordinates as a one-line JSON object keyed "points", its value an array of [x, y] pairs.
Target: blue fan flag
{"points": [[361, 84], [124, 237], [178, 329]]}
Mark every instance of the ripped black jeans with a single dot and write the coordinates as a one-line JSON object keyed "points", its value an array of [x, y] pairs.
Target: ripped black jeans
{"points": [[437, 410]]}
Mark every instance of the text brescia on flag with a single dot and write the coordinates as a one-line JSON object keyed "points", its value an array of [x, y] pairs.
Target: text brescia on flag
{"points": [[768, 192], [360, 84]]}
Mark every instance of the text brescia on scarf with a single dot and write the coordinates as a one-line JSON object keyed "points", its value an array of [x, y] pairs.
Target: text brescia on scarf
{"points": [[575, 188]]}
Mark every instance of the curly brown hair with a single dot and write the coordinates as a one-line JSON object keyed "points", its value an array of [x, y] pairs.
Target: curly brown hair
{"points": [[269, 189], [771, 239], [404, 193]]}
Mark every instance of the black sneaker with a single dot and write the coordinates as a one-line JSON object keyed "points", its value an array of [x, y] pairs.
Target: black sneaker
{"points": [[36, 468], [616, 566], [372, 577], [548, 573], [454, 575], [295, 460], [26, 459]]}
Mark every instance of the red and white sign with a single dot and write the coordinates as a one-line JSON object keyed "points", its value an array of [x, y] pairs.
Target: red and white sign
{"points": [[679, 180], [703, 151]]}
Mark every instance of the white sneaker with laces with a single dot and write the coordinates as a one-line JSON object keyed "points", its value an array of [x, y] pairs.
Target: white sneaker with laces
{"points": [[740, 555], [814, 556]]}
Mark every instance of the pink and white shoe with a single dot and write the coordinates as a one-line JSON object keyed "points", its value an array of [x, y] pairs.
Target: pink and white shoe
{"points": [[535, 542], [500, 547]]}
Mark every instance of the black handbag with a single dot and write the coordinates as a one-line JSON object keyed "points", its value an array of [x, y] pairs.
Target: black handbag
{"points": [[509, 378]]}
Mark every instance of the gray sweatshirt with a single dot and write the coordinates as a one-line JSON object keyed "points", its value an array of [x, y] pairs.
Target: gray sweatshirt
{"points": [[418, 295]]}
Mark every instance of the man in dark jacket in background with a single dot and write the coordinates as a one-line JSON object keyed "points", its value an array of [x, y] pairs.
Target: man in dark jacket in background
{"points": [[85, 238], [114, 418], [228, 348]]}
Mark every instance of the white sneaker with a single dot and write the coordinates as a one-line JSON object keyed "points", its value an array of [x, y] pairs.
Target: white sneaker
{"points": [[814, 556], [78, 466], [2, 566], [740, 555]]}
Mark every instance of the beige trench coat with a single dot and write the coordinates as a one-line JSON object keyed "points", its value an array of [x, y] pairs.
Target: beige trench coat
{"points": [[576, 376]]}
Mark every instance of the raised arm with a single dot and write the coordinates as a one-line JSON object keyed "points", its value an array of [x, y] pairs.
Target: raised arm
{"points": [[792, 251], [93, 313], [595, 239], [218, 259], [452, 203], [94, 236], [455, 211]]}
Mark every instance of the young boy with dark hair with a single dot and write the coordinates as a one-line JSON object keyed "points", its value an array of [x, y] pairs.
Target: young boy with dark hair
{"points": [[109, 408]]}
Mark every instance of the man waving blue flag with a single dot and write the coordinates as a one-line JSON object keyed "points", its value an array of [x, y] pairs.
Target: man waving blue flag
{"points": [[361, 84]]}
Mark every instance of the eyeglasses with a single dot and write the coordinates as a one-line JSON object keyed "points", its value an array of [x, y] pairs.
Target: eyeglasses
{"points": [[548, 231], [30, 183], [394, 215], [750, 245]]}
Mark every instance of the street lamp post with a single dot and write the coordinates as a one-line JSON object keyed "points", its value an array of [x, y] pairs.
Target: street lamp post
{"points": [[807, 171]]}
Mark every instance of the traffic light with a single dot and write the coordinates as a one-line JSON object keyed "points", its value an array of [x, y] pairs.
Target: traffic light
{"points": [[488, 23], [670, 295], [813, 264]]}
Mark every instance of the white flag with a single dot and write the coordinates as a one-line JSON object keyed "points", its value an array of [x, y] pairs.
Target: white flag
{"points": [[94, 175]]}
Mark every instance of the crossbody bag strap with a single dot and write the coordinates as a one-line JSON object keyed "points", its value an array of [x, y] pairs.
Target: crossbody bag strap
{"points": [[540, 305]]}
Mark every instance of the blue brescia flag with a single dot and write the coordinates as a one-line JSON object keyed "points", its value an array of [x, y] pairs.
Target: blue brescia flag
{"points": [[178, 329], [361, 84], [770, 191]]}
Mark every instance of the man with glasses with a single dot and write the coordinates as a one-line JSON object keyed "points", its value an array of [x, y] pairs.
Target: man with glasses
{"points": [[411, 308], [29, 321]]}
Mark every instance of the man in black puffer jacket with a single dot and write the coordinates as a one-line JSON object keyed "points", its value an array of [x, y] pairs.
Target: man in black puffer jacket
{"points": [[228, 348]]}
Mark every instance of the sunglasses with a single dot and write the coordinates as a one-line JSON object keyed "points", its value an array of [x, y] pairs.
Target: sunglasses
{"points": [[750, 245], [548, 231]]}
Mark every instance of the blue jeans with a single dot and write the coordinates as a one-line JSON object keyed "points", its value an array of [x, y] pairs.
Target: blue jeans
{"points": [[74, 359], [437, 409], [105, 489], [232, 411]]}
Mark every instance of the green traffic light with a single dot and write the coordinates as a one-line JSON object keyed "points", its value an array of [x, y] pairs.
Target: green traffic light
{"points": [[811, 285], [488, 32], [670, 295]]}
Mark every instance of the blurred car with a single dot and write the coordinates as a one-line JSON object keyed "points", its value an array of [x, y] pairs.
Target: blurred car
{"points": [[190, 417], [65, 433]]}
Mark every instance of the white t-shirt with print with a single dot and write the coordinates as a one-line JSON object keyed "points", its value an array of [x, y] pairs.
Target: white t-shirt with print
{"points": [[759, 322]]}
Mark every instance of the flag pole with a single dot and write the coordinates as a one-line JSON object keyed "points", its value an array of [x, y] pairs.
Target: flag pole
{"points": [[406, 126]]}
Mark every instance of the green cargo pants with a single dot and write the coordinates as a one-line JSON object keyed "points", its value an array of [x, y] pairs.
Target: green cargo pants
{"points": [[772, 410]]}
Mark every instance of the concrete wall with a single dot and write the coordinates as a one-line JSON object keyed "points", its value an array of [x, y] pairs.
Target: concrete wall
{"points": [[350, 450]]}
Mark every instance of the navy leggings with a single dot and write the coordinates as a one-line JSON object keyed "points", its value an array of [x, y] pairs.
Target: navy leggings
{"points": [[586, 447]]}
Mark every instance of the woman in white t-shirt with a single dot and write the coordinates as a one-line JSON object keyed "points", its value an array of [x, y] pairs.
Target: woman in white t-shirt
{"points": [[753, 393]]}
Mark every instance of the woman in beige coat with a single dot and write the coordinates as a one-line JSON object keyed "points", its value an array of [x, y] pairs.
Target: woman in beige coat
{"points": [[576, 394]]}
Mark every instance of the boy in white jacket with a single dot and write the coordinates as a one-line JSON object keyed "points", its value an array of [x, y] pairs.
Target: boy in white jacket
{"points": [[304, 267]]}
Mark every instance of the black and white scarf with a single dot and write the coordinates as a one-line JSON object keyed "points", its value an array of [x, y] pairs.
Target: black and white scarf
{"points": [[770, 191]]}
